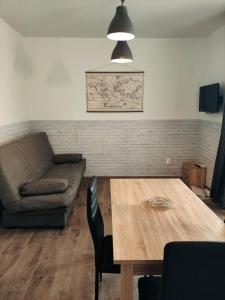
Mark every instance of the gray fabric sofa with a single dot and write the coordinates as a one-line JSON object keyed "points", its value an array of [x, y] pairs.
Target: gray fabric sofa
{"points": [[31, 160]]}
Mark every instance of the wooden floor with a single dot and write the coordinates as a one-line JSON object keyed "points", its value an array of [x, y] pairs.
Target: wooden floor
{"points": [[57, 264]]}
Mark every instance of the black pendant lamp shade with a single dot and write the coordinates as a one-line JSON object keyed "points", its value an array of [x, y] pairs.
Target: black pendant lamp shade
{"points": [[121, 27], [122, 53]]}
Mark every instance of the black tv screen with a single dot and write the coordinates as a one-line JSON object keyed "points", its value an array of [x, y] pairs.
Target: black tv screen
{"points": [[209, 98]]}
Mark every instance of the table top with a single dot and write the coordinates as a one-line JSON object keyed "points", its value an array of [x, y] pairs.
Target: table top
{"points": [[140, 232]]}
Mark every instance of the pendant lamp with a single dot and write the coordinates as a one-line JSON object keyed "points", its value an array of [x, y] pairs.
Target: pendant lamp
{"points": [[122, 53], [121, 27]]}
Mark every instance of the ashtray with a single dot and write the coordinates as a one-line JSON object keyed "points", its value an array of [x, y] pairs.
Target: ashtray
{"points": [[160, 202]]}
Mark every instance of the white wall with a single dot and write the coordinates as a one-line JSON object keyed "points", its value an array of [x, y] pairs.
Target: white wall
{"points": [[13, 106], [213, 68], [49, 73], [56, 89], [212, 71]]}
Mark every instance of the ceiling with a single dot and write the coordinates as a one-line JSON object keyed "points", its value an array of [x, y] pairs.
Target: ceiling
{"points": [[90, 18]]}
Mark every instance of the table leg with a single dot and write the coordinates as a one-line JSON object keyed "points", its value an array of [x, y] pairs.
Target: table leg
{"points": [[126, 282]]}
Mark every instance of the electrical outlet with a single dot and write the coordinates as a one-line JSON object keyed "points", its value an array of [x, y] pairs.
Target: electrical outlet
{"points": [[168, 161]]}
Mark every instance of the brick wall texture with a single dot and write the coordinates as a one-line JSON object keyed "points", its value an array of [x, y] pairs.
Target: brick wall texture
{"points": [[129, 148], [126, 148], [209, 135], [13, 131]]}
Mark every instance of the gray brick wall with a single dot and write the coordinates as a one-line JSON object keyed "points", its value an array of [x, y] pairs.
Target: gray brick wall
{"points": [[12, 131], [126, 148], [209, 134]]}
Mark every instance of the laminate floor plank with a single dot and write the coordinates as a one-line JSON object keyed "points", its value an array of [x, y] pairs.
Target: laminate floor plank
{"points": [[55, 264]]}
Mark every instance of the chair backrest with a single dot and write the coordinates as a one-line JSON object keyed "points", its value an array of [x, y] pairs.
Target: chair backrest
{"points": [[95, 219], [193, 271]]}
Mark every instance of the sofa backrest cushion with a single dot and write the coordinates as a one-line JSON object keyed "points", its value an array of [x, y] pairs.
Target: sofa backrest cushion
{"points": [[22, 161]]}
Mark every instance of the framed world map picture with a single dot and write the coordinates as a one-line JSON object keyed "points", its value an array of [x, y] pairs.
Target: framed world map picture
{"points": [[114, 91]]}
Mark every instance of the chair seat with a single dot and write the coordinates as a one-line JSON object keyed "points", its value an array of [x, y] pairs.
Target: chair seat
{"points": [[108, 265], [149, 287]]}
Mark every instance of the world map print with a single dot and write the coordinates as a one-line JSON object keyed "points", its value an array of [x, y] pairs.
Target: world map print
{"points": [[114, 92]]}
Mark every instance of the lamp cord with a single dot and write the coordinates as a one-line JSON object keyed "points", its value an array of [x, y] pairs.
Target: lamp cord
{"points": [[122, 1]]}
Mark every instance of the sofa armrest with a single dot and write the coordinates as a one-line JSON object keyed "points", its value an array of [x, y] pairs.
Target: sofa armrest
{"points": [[44, 187], [67, 158]]}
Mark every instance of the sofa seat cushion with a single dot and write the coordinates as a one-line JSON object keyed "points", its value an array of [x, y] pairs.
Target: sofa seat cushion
{"points": [[72, 172], [67, 158], [69, 171], [43, 202], [44, 186]]}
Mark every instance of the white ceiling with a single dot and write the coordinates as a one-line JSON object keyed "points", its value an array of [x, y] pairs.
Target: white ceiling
{"points": [[90, 18]]}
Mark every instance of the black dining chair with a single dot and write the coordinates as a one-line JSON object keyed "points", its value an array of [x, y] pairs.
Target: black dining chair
{"points": [[191, 271], [103, 245]]}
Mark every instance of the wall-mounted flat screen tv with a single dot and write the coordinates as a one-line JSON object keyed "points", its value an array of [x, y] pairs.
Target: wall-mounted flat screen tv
{"points": [[209, 98]]}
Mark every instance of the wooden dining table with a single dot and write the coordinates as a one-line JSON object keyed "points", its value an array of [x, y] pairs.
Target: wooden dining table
{"points": [[140, 232]]}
